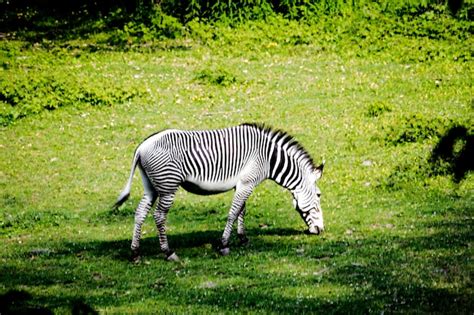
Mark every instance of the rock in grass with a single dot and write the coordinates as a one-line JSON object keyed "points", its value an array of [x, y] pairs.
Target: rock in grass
{"points": [[208, 285], [40, 252], [367, 163]]}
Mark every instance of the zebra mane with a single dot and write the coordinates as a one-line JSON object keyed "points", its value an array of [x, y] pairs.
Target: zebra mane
{"points": [[278, 134]]}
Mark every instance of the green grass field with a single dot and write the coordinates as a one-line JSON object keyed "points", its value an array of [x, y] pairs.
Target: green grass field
{"points": [[399, 234]]}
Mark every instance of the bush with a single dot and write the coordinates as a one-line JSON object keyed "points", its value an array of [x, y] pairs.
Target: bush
{"points": [[32, 92], [147, 26], [407, 173], [217, 76], [224, 11], [416, 128], [377, 109]]}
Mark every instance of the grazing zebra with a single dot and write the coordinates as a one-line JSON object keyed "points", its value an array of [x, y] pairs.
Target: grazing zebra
{"points": [[214, 161]]}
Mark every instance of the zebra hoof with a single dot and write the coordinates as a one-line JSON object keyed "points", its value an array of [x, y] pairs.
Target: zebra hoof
{"points": [[224, 251], [243, 240], [172, 257], [135, 257]]}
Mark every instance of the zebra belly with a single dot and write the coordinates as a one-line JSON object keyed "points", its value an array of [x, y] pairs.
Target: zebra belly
{"points": [[199, 187]]}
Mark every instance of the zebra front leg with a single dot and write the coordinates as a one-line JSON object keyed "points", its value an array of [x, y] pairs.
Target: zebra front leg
{"points": [[241, 233], [238, 202], [140, 215], [164, 204]]}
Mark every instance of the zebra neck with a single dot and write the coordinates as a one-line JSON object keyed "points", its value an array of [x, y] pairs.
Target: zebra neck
{"points": [[286, 168]]}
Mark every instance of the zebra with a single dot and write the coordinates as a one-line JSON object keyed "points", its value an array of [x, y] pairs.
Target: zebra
{"points": [[209, 162]]}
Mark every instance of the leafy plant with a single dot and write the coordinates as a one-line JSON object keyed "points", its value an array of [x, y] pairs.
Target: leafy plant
{"points": [[25, 96], [147, 25], [416, 128], [219, 76], [377, 109]]}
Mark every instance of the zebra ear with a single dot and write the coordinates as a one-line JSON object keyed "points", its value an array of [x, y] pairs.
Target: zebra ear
{"points": [[318, 172]]}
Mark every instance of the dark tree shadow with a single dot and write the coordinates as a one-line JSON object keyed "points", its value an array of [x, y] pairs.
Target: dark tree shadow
{"points": [[455, 6], [79, 307], [454, 153], [20, 302], [35, 21]]}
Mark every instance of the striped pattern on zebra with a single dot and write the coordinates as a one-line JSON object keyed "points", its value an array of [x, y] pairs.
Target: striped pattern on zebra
{"points": [[214, 161]]}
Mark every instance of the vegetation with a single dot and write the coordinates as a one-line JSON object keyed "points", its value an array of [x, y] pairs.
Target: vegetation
{"points": [[382, 91]]}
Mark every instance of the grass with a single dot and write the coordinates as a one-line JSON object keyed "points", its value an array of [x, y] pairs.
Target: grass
{"points": [[397, 239]]}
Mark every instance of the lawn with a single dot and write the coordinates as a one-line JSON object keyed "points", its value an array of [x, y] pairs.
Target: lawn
{"points": [[399, 229]]}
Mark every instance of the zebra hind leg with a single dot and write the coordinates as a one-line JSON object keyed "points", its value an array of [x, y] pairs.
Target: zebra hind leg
{"points": [[241, 194], [148, 199], [164, 204], [241, 233], [140, 215]]}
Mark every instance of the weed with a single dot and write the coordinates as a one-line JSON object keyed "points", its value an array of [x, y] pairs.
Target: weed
{"points": [[11, 222], [377, 109], [405, 174], [24, 93], [416, 128], [146, 26], [220, 77]]}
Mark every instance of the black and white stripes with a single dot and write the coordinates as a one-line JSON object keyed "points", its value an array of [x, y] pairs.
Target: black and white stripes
{"points": [[214, 161]]}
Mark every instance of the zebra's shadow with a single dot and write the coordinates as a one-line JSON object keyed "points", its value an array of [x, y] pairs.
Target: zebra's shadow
{"points": [[150, 246]]}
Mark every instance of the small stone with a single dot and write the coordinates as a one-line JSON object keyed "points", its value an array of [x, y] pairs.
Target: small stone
{"points": [[367, 163], [97, 276], [320, 272], [208, 285], [224, 251], [40, 251]]}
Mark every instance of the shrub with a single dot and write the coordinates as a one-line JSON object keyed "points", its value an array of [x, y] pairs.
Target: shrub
{"points": [[148, 25], [407, 173], [30, 93], [377, 109], [219, 76], [416, 128]]}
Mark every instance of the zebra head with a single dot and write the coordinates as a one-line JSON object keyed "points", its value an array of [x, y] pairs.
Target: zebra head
{"points": [[307, 201]]}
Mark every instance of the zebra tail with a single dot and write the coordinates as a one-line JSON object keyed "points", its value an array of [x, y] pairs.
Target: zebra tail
{"points": [[126, 190]]}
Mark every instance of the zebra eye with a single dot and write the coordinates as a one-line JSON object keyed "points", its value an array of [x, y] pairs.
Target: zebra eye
{"points": [[319, 195]]}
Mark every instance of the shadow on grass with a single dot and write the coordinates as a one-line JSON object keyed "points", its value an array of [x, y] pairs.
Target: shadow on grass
{"points": [[454, 153], [388, 273], [54, 19], [22, 302], [197, 240], [416, 272]]}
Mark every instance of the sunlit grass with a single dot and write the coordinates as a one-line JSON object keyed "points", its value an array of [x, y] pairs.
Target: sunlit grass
{"points": [[396, 239]]}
